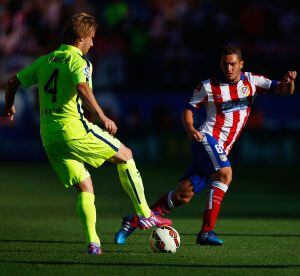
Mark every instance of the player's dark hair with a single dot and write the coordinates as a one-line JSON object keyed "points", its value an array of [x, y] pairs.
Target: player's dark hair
{"points": [[79, 25], [232, 50]]}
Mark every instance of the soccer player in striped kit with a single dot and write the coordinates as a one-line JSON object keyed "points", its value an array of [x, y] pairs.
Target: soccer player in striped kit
{"points": [[228, 100]]}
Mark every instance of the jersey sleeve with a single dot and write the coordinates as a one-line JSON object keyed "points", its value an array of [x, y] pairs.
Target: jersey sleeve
{"points": [[81, 71], [28, 76], [264, 85], [199, 97]]}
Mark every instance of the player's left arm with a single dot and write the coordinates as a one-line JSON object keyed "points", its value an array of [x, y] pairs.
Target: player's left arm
{"points": [[87, 96], [10, 91], [287, 85]]}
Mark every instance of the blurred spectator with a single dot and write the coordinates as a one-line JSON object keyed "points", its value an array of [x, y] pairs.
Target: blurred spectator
{"points": [[110, 61], [115, 13], [165, 44], [153, 44]]}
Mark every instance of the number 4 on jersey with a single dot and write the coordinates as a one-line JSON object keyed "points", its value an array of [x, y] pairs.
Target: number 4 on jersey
{"points": [[51, 85]]}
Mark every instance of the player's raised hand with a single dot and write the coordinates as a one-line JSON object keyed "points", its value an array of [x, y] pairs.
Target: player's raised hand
{"points": [[287, 85], [109, 125], [290, 76], [9, 113]]}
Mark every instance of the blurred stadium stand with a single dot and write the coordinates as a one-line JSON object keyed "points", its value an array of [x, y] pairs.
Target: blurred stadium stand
{"points": [[148, 56]]}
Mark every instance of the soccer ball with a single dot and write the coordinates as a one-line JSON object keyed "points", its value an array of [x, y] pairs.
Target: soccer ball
{"points": [[164, 239]]}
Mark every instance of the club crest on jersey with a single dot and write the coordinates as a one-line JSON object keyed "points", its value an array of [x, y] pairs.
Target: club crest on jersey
{"points": [[245, 90], [87, 72]]}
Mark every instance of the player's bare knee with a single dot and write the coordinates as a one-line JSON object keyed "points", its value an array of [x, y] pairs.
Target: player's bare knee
{"points": [[127, 153], [177, 198], [85, 186], [223, 175], [187, 198], [184, 192], [124, 154], [226, 178], [183, 197]]}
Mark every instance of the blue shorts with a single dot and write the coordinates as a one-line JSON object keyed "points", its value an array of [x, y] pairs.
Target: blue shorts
{"points": [[208, 157]]}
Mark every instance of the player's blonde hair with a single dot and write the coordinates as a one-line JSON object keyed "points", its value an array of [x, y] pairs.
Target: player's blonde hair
{"points": [[79, 26]]}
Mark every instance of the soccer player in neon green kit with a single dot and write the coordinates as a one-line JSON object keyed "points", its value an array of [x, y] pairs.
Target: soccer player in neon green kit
{"points": [[64, 79]]}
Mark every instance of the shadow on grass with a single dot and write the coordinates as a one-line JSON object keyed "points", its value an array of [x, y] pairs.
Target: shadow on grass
{"points": [[42, 251], [156, 265], [66, 242], [147, 234], [43, 241], [250, 235]]}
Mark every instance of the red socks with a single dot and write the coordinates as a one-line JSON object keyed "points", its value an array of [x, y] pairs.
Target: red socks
{"points": [[215, 196], [163, 205]]}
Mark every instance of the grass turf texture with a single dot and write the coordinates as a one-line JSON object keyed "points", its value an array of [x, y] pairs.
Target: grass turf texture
{"points": [[41, 233]]}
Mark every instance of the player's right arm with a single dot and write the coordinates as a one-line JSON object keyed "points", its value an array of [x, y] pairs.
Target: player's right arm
{"points": [[188, 123], [10, 90], [87, 96], [26, 77], [199, 97]]}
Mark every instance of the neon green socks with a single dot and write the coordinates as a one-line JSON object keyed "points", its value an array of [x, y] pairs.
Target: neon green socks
{"points": [[87, 212], [132, 183]]}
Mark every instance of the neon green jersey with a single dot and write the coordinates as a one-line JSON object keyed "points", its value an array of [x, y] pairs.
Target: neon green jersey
{"points": [[57, 74]]}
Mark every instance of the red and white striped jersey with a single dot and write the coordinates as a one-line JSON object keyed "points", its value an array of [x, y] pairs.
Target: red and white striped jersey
{"points": [[228, 105]]}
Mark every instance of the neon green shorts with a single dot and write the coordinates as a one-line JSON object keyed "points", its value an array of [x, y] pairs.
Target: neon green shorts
{"points": [[68, 158]]}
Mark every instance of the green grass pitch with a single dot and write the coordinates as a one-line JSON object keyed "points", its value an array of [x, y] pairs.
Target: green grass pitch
{"points": [[40, 232]]}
